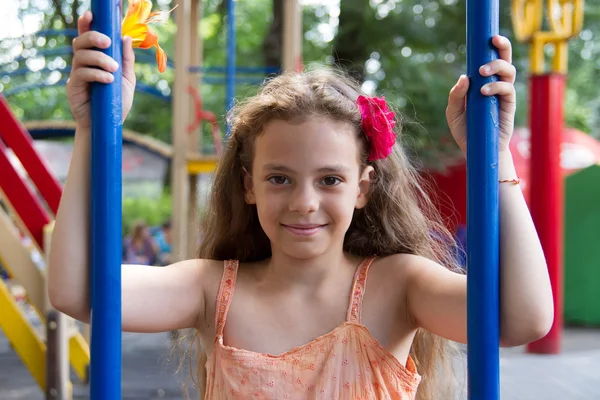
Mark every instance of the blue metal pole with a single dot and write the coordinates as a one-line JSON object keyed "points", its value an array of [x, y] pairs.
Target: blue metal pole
{"points": [[105, 246], [231, 46], [483, 298]]}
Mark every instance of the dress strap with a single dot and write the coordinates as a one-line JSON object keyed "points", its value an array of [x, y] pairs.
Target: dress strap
{"points": [[358, 290], [225, 294]]}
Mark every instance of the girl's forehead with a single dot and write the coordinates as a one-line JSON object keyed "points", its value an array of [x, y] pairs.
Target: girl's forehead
{"points": [[318, 140]]}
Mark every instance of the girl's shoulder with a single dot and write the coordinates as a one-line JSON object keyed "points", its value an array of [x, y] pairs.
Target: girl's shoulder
{"points": [[393, 273], [212, 270], [206, 271], [397, 265], [403, 263], [415, 274]]}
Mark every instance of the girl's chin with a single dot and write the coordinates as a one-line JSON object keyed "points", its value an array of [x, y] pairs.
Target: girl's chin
{"points": [[304, 250]]}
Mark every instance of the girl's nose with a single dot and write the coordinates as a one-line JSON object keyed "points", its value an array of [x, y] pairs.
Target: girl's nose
{"points": [[304, 200]]}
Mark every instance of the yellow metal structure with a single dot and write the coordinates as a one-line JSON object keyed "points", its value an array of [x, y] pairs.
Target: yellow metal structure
{"points": [[79, 356], [526, 18], [26, 342], [565, 19], [201, 165], [19, 264]]}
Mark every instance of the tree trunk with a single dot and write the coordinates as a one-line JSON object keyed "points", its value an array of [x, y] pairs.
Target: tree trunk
{"points": [[74, 15], [349, 49], [273, 42]]}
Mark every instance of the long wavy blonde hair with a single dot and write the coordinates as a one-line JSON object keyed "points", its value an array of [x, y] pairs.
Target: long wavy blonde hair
{"points": [[399, 216]]}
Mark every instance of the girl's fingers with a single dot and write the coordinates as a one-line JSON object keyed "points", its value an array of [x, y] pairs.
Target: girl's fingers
{"points": [[506, 72], [84, 23], [504, 48], [459, 91], [90, 40], [94, 58], [128, 59], [457, 97], [499, 88], [87, 75]]}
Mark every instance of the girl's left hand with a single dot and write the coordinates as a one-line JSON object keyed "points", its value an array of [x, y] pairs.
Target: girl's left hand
{"points": [[504, 88]]}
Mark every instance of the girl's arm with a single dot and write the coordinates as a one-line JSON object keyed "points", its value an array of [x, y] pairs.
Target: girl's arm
{"points": [[153, 299], [525, 288], [437, 297]]}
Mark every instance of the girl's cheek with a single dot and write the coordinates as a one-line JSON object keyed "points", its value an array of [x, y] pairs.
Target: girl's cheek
{"points": [[270, 201]]}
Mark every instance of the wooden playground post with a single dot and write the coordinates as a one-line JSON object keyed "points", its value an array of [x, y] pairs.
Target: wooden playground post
{"points": [[292, 36], [196, 59], [179, 176], [57, 342], [195, 137]]}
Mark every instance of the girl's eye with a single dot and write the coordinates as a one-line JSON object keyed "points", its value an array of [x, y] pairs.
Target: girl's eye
{"points": [[331, 181], [278, 180]]}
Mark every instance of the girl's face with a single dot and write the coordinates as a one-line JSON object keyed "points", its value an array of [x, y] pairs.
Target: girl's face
{"points": [[306, 183]]}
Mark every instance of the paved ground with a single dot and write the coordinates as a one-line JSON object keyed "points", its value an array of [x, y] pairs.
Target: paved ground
{"points": [[149, 366], [148, 374]]}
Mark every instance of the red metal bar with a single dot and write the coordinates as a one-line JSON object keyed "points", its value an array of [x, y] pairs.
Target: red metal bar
{"points": [[18, 139], [202, 115], [23, 200], [547, 198]]}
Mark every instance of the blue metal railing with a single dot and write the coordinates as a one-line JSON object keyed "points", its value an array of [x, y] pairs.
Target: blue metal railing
{"points": [[105, 246], [483, 296]]}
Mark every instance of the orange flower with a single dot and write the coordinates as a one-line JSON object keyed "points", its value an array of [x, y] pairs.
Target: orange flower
{"points": [[135, 25]]}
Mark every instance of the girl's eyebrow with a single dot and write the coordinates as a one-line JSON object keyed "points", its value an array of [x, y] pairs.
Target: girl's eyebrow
{"points": [[277, 168], [326, 169], [334, 169]]}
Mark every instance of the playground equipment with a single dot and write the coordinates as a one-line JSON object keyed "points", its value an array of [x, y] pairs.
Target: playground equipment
{"points": [[483, 279], [565, 19], [582, 297], [541, 169], [30, 216], [106, 217]]}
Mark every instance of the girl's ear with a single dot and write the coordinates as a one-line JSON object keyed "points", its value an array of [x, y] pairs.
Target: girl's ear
{"points": [[248, 188], [364, 185]]}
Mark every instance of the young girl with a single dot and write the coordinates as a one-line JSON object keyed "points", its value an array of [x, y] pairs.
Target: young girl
{"points": [[324, 272]]}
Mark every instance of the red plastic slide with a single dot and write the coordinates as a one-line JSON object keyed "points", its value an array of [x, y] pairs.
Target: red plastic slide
{"points": [[21, 196], [18, 139], [23, 200]]}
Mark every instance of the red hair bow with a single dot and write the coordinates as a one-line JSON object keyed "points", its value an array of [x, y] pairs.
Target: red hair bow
{"points": [[378, 125]]}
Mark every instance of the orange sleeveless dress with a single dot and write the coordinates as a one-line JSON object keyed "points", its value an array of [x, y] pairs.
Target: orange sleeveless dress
{"points": [[347, 363]]}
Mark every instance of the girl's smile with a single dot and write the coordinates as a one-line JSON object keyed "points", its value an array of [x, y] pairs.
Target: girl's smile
{"points": [[304, 229]]}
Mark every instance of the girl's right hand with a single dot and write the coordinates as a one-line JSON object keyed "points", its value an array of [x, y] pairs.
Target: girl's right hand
{"points": [[91, 65]]}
